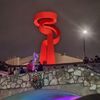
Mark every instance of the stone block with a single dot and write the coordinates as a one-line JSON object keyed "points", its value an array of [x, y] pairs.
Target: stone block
{"points": [[46, 82], [86, 73], [77, 72], [19, 81], [98, 90], [13, 85], [75, 78], [17, 86], [50, 76], [23, 85], [62, 80], [54, 72], [80, 79], [92, 74], [70, 81], [4, 87], [86, 83], [8, 86], [25, 77], [98, 82], [4, 83], [93, 87], [98, 86], [53, 82], [67, 75], [71, 70], [2, 79], [80, 68]]}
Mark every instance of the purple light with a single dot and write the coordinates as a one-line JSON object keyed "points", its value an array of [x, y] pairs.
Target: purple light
{"points": [[68, 98]]}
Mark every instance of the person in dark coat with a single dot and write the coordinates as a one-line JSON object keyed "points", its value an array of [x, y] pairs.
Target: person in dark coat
{"points": [[86, 60], [91, 60], [97, 59], [39, 66], [22, 71], [90, 97]]}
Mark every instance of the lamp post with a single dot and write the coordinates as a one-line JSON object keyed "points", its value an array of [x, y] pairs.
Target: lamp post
{"points": [[84, 44]]}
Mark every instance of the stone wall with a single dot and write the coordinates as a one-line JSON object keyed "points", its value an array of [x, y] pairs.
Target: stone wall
{"points": [[75, 79]]}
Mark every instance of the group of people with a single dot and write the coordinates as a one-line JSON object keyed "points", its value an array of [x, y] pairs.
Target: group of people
{"points": [[6, 69], [96, 59], [33, 67]]}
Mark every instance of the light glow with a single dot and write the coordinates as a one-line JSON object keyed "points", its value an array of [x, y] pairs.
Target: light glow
{"points": [[85, 32]]}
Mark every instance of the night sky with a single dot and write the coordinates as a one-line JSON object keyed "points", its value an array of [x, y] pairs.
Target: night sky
{"points": [[20, 37]]}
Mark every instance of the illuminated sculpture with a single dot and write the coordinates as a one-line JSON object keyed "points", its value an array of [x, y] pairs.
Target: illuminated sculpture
{"points": [[45, 22]]}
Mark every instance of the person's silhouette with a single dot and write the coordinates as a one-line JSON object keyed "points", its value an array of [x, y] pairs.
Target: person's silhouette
{"points": [[90, 97]]}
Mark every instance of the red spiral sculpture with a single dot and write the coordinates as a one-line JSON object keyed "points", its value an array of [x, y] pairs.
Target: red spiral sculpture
{"points": [[45, 22]]}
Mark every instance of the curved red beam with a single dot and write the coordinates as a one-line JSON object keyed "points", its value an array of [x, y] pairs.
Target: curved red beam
{"points": [[45, 22]]}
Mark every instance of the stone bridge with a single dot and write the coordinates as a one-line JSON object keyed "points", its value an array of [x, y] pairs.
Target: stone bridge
{"points": [[80, 79]]}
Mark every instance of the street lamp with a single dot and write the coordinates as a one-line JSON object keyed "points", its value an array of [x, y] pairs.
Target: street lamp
{"points": [[85, 32]]}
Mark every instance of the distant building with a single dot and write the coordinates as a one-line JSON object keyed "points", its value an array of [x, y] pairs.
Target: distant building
{"points": [[59, 59]]}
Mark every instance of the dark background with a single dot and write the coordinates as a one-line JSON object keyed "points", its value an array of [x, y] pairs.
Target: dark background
{"points": [[20, 37]]}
